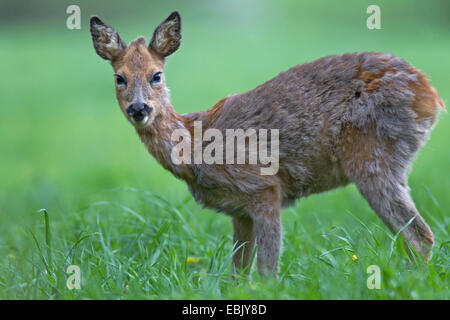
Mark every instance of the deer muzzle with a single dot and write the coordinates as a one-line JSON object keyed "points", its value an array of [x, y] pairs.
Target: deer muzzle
{"points": [[139, 112]]}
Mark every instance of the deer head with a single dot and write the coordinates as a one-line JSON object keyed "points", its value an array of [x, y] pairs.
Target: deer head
{"points": [[138, 68]]}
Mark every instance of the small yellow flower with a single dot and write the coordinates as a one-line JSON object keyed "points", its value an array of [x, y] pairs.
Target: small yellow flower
{"points": [[192, 260], [355, 258]]}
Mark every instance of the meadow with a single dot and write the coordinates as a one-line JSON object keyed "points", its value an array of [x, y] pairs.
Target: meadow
{"points": [[132, 228]]}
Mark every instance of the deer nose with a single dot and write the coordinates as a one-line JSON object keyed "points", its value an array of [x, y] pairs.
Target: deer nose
{"points": [[138, 111]]}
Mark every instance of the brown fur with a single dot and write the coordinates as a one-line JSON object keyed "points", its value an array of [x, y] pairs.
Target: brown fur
{"points": [[426, 99], [372, 80], [213, 112], [358, 117], [361, 146]]}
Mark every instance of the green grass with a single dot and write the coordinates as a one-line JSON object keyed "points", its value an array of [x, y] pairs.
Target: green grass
{"points": [[129, 225]]}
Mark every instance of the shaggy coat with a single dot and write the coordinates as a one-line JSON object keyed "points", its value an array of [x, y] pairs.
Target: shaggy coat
{"points": [[358, 117]]}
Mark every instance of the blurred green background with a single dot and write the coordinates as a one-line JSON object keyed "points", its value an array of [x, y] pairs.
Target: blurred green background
{"points": [[63, 138]]}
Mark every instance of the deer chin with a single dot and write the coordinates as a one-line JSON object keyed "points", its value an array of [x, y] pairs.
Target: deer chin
{"points": [[142, 123]]}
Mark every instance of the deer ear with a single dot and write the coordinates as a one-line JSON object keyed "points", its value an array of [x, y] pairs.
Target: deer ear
{"points": [[107, 42], [167, 36]]}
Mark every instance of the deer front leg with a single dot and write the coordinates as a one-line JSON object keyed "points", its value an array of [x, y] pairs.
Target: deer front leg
{"points": [[244, 239], [267, 228]]}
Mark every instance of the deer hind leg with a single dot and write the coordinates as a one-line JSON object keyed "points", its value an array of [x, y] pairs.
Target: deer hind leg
{"points": [[378, 167], [391, 200], [244, 239]]}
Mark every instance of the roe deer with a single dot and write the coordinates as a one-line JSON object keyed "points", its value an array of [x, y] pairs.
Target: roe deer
{"points": [[358, 117]]}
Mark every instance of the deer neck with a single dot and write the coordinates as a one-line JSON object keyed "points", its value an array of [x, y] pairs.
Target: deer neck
{"points": [[157, 138]]}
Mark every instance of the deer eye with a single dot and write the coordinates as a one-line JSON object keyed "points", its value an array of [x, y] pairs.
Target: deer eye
{"points": [[120, 80], [156, 78]]}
